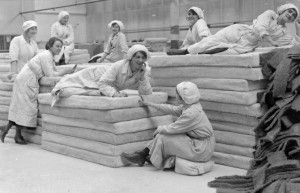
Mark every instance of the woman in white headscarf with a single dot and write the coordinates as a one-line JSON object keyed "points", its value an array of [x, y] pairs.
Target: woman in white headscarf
{"points": [[130, 73], [63, 30], [198, 28], [190, 137], [23, 109], [22, 48], [241, 38], [116, 48]]}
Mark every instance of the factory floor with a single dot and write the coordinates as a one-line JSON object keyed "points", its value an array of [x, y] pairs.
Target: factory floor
{"points": [[29, 169]]}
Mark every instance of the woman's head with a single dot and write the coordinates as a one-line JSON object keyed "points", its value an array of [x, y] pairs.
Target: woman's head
{"points": [[116, 26], [138, 55], [63, 17], [29, 29], [54, 45], [194, 13], [187, 92], [287, 13]]}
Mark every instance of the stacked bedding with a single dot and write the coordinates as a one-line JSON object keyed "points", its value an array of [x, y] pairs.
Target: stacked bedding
{"points": [[79, 56], [230, 88], [99, 129]]}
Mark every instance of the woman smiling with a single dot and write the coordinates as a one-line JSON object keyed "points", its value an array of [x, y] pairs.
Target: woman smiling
{"points": [[130, 73], [23, 108], [198, 28]]}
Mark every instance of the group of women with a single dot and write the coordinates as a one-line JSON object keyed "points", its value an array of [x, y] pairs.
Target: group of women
{"points": [[190, 137]]}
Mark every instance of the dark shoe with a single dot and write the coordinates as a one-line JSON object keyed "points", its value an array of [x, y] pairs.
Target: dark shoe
{"points": [[214, 51], [20, 141], [3, 133], [177, 52], [148, 160], [134, 158]]}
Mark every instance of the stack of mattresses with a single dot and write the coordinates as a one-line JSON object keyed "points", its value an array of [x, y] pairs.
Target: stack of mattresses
{"points": [[4, 63], [230, 88], [99, 129], [156, 44], [79, 56]]}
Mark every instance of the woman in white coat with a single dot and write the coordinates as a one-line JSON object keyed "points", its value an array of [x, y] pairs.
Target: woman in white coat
{"points": [[103, 80], [270, 26], [23, 108], [190, 137], [22, 48], [63, 30], [198, 28], [116, 48]]}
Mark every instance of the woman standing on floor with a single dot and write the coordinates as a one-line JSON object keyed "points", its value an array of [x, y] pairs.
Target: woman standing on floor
{"points": [[63, 30], [22, 48], [241, 38], [24, 107], [116, 48], [198, 28], [130, 73], [190, 137]]}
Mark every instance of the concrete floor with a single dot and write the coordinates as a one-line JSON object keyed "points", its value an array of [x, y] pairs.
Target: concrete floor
{"points": [[29, 169]]}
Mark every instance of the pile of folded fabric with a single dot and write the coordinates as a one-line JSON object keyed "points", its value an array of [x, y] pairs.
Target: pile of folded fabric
{"points": [[230, 87], [276, 165], [4, 63], [79, 56], [99, 129]]}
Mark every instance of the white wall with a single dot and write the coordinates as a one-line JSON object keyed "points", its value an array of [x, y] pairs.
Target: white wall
{"points": [[45, 19]]}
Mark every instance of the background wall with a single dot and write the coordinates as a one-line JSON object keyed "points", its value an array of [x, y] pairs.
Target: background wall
{"points": [[142, 18], [151, 18]]}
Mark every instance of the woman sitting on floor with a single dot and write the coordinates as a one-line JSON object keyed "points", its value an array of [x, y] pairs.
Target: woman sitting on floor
{"points": [[241, 38], [23, 109], [198, 28], [190, 137], [116, 48], [108, 80]]}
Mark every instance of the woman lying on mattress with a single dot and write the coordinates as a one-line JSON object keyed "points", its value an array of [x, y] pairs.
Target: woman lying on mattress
{"points": [[189, 139], [241, 38], [105, 80]]}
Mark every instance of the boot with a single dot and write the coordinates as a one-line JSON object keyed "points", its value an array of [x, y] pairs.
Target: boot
{"points": [[177, 52], [4, 130], [18, 137], [138, 158]]}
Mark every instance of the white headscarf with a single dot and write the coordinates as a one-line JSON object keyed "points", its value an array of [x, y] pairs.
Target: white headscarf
{"points": [[198, 11], [136, 48], [285, 7], [120, 24], [189, 92], [28, 24], [62, 14]]}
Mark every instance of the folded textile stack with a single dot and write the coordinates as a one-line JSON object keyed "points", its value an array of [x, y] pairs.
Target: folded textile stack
{"points": [[4, 63], [156, 44], [79, 56], [230, 87], [99, 129]]}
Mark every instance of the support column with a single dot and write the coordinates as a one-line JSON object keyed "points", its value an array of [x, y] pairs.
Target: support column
{"points": [[174, 21]]}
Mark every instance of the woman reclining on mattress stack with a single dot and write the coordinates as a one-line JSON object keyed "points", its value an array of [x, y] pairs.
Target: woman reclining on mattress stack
{"points": [[241, 38], [109, 81]]}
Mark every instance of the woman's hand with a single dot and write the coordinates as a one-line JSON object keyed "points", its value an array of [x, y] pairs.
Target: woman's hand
{"points": [[157, 131], [100, 60], [120, 94]]}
